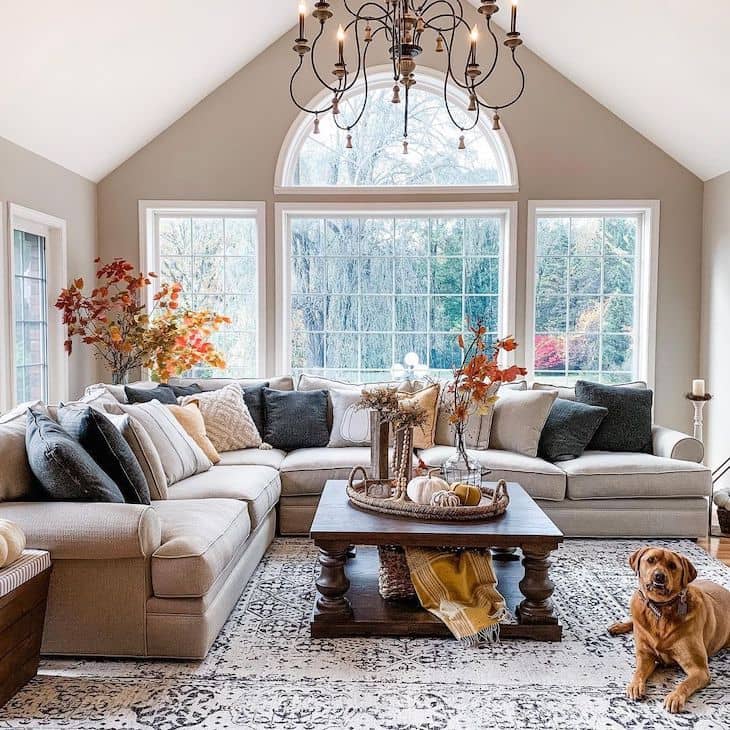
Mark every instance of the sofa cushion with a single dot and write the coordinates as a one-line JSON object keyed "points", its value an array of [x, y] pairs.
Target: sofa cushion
{"points": [[306, 470], [253, 457], [199, 539], [569, 429], [539, 478], [258, 486], [282, 382], [612, 475], [566, 392]]}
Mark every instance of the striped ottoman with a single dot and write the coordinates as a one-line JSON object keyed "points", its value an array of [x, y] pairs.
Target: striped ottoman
{"points": [[23, 593]]}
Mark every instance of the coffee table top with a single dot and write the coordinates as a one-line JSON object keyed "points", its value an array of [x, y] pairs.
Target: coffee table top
{"points": [[524, 523]]}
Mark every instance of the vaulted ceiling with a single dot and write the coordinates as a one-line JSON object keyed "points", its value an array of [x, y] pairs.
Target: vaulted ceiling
{"points": [[87, 83]]}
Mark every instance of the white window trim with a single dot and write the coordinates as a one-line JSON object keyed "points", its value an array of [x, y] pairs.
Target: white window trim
{"points": [[150, 259], [55, 231], [286, 211], [378, 77], [649, 270]]}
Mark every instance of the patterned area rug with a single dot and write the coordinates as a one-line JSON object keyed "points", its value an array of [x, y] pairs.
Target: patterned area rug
{"points": [[265, 672]]}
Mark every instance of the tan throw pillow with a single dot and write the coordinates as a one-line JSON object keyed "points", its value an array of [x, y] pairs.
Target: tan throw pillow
{"points": [[228, 423], [181, 457], [519, 417], [191, 419], [145, 453], [428, 398], [16, 478]]}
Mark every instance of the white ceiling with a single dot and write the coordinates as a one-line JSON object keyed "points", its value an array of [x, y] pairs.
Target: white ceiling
{"points": [[86, 83]]}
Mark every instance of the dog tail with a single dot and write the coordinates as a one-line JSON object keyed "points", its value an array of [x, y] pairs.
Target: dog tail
{"points": [[622, 627]]}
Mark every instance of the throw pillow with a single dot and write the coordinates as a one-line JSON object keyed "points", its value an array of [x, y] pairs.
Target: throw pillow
{"points": [[627, 426], [181, 457], [428, 398], [253, 395], [63, 469], [519, 417], [146, 395], [144, 451], [228, 423], [16, 478], [478, 426], [350, 425], [569, 429], [182, 391], [191, 419], [108, 448], [566, 392], [296, 419]]}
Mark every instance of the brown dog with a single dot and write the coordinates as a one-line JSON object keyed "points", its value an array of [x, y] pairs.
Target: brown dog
{"points": [[675, 621]]}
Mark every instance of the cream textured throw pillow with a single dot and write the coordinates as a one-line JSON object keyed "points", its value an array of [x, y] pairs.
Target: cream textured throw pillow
{"points": [[228, 422], [181, 457], [519, 417]]}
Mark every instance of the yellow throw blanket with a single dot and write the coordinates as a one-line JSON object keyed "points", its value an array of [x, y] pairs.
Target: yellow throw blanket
{"points": [[460, 589]]}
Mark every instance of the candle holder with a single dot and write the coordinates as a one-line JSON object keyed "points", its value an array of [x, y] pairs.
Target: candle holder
{"points": [[698, 401]]}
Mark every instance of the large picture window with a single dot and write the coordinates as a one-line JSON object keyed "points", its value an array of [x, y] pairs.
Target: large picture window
{"points": [[590, 306], [215, 253], [363, 289]]}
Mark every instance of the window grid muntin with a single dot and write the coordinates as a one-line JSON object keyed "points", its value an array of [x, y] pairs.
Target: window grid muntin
{"points": [[568, 374], [430, 333], [22, 238], [196, 297]]}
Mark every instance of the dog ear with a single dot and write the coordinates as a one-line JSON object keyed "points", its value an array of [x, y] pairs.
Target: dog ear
{"points": [[689, 572], [635, 558]]}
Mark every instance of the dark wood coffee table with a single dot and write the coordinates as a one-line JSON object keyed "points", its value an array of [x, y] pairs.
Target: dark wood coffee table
{"points": [[348, 602]]}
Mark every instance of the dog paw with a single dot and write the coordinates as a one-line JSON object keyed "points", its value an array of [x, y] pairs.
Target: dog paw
{"points": [[674, 702], [622, 627], [636, 690]]}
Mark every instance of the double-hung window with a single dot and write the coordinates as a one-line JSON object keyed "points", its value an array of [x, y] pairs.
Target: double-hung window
{"points": [[591, 299], [362, 287], [216, 252]]}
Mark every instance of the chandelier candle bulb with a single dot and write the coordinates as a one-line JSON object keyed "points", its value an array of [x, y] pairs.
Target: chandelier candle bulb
{"points": [[513, 25], [474, 36], [302, 15], [341, 44]]}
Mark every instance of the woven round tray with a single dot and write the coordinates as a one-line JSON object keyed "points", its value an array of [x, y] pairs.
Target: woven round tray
{"points": [[494, 503]]}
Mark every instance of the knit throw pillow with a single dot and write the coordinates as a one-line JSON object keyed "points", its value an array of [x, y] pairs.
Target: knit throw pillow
{"points": [[228, 423]]}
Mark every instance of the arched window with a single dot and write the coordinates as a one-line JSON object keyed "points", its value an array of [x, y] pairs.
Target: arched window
{"points": [[376, 163]]}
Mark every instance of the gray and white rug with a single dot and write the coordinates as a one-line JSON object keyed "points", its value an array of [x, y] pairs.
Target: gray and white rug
{"points": [[265, 672]]}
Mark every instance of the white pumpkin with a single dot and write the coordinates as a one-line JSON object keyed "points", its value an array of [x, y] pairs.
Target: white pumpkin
{"points": [[12, 542], [445, 499], [421, 489]]}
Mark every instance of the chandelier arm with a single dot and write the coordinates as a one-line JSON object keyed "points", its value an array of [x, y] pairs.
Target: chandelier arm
{"points": [[293, 96], [366, 83], [519, 94], [358, 15], [457, 18], [333, 89], [488, 74], [449, 66], [449, 112]]}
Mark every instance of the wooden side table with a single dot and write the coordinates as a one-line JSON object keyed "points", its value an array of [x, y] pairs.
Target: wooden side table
{"points": [[23, 595]]}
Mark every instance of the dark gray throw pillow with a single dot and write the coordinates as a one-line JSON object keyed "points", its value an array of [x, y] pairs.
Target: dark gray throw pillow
{"points": [[569, 429], [253, 395], [296, 419], [65, 472], [181, 391], [104, 442], [627, 426], [162, 393]]}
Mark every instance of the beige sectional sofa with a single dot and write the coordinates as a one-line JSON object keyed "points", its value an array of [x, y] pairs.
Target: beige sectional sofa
{"points": [[160, 580]]}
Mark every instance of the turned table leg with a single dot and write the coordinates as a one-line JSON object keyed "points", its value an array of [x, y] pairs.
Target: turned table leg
{"points": [[537, 588], [333, 583]]}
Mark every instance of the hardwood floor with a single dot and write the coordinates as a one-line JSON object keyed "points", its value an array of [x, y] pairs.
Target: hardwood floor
{"points": [[718, 547]]}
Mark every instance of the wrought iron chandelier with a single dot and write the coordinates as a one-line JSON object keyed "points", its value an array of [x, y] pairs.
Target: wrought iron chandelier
{"points": [[404, 26]]}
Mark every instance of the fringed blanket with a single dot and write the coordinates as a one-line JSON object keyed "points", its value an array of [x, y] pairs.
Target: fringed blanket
{"points": [[460, 589]]}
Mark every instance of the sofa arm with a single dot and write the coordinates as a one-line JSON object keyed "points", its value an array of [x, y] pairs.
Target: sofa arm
{"points": [[86, 531], [676, 445]]}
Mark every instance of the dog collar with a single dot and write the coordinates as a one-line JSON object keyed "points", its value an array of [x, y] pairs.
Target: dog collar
{"points": [[657, 607]]}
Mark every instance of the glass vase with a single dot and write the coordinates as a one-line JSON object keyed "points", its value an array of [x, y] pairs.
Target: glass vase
{"points": [[462, 466]]}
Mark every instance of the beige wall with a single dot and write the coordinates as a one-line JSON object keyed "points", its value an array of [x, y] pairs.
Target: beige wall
{"points": [[32, 181], [567, 147], [715, 318]]}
